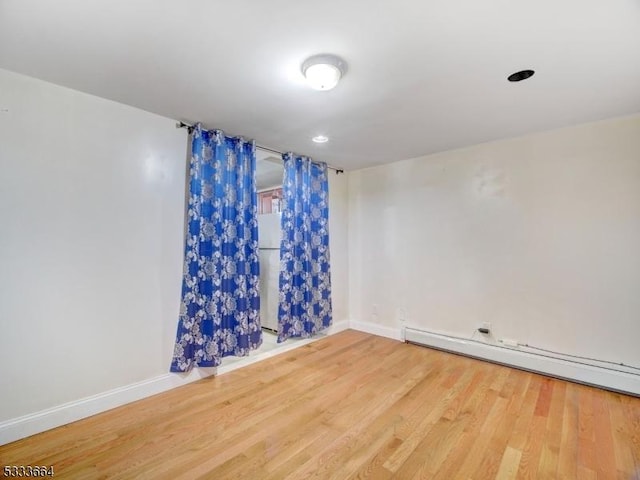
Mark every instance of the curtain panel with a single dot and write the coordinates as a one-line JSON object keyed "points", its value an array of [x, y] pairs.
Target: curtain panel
{"points": [[305, 277], [220, 306]]}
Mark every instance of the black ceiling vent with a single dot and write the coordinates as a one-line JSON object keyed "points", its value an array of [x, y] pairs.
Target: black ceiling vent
{"points": [[521, 75]]}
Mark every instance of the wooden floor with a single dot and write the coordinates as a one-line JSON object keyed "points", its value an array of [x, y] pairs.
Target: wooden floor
{"points": [[354, 406]]}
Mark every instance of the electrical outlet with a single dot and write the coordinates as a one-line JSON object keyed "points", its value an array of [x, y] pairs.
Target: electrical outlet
{"points": [[401, 315]]}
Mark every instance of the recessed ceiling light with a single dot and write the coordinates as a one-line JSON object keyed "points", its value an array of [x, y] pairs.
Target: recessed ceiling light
{"points": [[323, 72], [521, 75], [320, 139]]}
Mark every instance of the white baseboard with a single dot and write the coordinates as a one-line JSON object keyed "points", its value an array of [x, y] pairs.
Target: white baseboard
{"points": [[27, 425], [31, 424], [376, 329], [557, 367], [337, 327]]}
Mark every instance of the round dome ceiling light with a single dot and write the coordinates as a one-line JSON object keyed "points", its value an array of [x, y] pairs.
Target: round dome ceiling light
{"points": [[323, 72], [320, 139], [521, 75]]}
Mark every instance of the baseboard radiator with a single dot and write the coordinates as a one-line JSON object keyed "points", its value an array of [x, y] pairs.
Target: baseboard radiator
{"points": [[576, 371]]}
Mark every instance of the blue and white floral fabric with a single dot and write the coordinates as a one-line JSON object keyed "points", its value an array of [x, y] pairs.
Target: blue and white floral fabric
{"points": [[305, 276], [220, 308]]}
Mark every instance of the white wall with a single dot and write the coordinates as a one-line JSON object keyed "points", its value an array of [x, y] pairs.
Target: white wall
{"points": [[339, 245], [91, 242], [538, 235], [91, 219]]}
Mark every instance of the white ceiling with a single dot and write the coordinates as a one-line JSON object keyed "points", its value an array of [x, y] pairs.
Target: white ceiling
{"points": [[424, 75]]}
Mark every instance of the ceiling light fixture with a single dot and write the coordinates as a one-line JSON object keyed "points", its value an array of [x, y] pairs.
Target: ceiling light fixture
{"points": [[521, 75], [323, 72], [320, 139]]}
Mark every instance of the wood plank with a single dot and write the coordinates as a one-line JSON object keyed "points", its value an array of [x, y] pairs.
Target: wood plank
{"points": [[529, 462], [353, 405], [551, 447], [477, 415], [509, 464], [568, 454], [586, 430], [605, 455], [632, 427], [544, 398], [430, 454], [622, 443]]}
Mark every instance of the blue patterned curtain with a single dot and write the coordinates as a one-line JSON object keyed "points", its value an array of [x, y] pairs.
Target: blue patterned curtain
{"points": [[220, 308], [305, 276]]}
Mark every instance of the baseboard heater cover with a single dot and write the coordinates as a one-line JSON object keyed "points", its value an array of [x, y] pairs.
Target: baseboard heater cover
{"points": [[593, 375]]}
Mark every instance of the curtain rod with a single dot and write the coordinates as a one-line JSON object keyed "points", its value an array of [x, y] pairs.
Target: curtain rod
{"points": [[191, 127]]}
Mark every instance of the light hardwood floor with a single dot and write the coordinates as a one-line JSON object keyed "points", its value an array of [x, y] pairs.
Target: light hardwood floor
{"points": [[354, 406]]}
